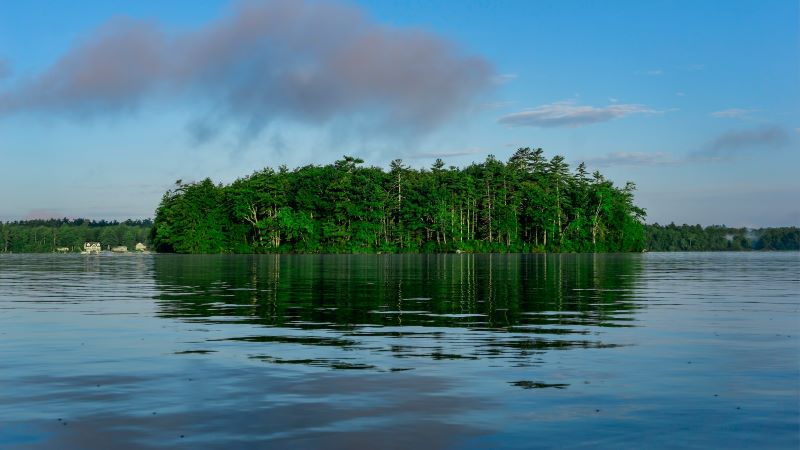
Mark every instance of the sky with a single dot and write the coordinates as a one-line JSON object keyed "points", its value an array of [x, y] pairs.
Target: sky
{"points": [[104, 105]]}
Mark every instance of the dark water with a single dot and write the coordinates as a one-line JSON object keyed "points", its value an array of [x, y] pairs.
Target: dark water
{"points": [[447, 351]]}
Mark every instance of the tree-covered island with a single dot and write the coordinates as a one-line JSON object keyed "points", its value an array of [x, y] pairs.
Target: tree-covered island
{"points": [[527, 204]]}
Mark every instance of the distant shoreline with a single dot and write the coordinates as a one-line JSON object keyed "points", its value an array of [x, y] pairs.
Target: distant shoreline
{"points": [[45, 236], [128, 254]]}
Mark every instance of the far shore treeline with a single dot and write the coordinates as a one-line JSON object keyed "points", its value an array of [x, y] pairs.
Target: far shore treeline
{"points": [[45, 236], [689, 238], [41, 236], [528, 204]]}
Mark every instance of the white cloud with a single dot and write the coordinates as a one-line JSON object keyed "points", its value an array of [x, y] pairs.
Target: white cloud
{"points": [[651, 72], [570, 114], [731, 113]]}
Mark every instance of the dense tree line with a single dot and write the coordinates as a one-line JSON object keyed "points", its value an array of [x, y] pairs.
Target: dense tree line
{"points": [[784, 238], [35, 236], [670, 238], [527, 204]]}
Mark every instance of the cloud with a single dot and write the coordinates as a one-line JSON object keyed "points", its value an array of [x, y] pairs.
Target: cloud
{"points": [[5, 69], [449, 154], [632, 159], [201, 130], [653, 73], [504, 78], [569, 114], [278, 143], [719, 149], [737, 141], [731, 113], [494, 105], [312, 62]]}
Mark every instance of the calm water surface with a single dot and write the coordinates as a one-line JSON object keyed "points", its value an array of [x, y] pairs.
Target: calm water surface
{"points": [[444, 351]]}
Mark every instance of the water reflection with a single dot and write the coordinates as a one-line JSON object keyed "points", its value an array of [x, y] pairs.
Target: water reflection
{"points": [[464, 351], [440, 307]]}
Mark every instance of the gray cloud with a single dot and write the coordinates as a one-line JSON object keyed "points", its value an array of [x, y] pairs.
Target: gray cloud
{"points": [[301, 60], [5, 69], [720, 149], [447, 154], [632, 159], [202, 130], [494, 105], [569, 114], [737, 141], [504, 78]]}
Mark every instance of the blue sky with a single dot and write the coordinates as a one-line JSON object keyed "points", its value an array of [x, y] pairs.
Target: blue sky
{"points": [[104, 105]]}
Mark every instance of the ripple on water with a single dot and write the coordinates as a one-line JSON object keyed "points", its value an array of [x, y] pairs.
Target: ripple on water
{"points": [[466, 350]]}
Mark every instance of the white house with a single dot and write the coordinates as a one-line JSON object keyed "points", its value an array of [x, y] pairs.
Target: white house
{"points": [[91, 247]]}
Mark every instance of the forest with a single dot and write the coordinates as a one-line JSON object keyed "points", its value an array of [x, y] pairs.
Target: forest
{"points": [[527, 204], [44, 236], [41, 236], [671, 238]]}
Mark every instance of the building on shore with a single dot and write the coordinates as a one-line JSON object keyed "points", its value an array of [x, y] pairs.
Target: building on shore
{"points": [[120, 249], [91, 247]]}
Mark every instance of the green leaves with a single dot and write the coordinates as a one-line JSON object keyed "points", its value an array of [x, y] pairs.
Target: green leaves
{"points": [[527, 204]]}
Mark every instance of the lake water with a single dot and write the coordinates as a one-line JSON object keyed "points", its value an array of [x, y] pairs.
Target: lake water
{"points": [[695, 350]]}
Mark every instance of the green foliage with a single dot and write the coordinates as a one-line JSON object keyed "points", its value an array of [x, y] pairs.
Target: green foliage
{"points": [[42, 236], [528, 204], [670, 238], [786, 238], [192, 219]]}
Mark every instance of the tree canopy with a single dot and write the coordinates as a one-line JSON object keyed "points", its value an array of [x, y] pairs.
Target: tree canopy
{"points": [[527, 204]]}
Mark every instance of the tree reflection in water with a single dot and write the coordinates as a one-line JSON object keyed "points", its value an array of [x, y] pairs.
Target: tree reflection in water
{"points": [[444, 307]]}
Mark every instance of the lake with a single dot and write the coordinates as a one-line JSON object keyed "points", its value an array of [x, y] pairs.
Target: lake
{"points": [[691, 350]]}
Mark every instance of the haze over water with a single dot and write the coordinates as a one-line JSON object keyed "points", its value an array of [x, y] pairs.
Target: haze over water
{"points": [[413, 351]]}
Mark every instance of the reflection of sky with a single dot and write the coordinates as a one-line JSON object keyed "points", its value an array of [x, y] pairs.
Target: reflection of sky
{"points": [[93, 342], [702, 79]]}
